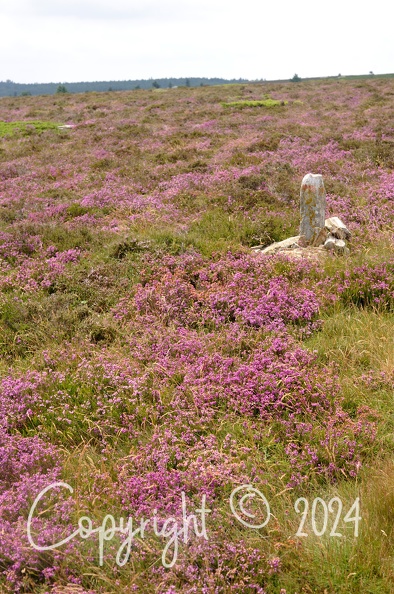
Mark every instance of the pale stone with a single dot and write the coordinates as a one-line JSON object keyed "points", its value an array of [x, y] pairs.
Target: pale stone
{"points": [[310, 253], [286, 244], [337, 228], [336, 245], [330, 242], [312, 207]]}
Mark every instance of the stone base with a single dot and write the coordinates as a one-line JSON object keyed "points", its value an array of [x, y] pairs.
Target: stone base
{"points": [[296, 252], [286, 244], [310, 253]]}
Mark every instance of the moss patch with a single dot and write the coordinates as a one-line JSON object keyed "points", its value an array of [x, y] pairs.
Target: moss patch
{"points": [[261, 103], [25, 128]]}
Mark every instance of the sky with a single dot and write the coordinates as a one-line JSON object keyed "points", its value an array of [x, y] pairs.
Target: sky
{"points": [[88, 40]]}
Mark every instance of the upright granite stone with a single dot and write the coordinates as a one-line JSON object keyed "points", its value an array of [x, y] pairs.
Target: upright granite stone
{"points": [[312, 209]]}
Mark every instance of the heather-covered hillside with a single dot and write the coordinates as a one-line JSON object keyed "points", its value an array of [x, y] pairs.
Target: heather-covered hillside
{"points": [[149, 358]]}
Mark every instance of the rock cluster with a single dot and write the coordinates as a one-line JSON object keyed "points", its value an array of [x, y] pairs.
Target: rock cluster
{"points": [[317, 234]]}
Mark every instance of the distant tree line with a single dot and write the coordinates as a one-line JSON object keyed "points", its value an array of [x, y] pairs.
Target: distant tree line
{"points": [[9, 88]]}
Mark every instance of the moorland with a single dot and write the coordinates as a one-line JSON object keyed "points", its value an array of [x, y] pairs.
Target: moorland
{"points": [[147, 354]]}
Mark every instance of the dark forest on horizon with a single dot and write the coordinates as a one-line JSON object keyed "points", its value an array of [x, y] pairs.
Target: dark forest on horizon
{"points": [[9, 88]]}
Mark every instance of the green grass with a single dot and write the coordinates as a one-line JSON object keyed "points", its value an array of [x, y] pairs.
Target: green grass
{"points": [[347, 564], [215, 231], [25, 128], [261, 103]]}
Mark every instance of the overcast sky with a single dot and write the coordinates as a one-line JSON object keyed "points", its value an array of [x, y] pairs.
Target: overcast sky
{"points": [[87, 40]]}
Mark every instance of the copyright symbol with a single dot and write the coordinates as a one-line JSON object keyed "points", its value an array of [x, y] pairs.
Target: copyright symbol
{"points": [[243, 494]]}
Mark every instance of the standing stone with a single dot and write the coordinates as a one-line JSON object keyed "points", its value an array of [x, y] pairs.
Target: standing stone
{"points": [[312, 209]]}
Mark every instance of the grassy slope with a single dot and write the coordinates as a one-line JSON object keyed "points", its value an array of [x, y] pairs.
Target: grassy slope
{"points": [[150, 175]]}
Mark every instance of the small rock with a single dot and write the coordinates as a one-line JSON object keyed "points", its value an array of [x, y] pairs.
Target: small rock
{"points": [[335, 244], [337, 228]]}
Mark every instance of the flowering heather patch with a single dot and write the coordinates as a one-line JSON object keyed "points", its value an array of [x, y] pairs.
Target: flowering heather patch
{"points": [[370, 285], [148, 357], [243, 288], [28, 465], [33, 274]]}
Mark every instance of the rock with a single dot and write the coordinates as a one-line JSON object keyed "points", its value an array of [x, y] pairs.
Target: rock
{"points": [[336, 245], [337, 228], [310, 253], [329, 244], [286, 244], [312, 207]]}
